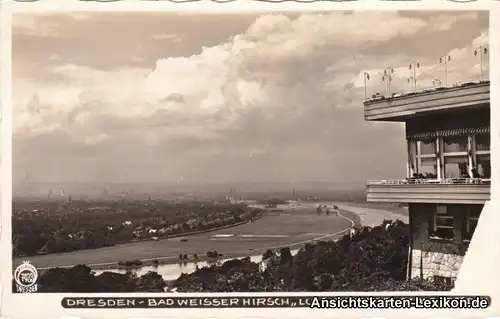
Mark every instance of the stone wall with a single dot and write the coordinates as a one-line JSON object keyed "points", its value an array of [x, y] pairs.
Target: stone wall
{"points": [[432, 257], [444, 264]]}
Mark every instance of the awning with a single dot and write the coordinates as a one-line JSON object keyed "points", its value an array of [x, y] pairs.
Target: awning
{"points": [[451, 132]]}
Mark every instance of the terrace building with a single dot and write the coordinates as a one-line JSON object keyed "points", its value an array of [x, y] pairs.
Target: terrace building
{"points": [[448, 171]]}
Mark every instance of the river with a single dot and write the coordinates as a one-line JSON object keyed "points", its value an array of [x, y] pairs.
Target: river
{"points": [[173, 271]]}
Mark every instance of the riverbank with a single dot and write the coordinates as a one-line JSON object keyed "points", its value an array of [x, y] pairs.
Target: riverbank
{"points": [[372, 217]]}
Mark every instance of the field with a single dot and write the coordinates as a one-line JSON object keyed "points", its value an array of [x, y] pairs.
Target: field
{"points": [[293, 226]]}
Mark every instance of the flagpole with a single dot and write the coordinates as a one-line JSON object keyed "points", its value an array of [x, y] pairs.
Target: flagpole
{"points": [[445, 59], [414, 65], [366, 77], [479, 51], [387, 76]]}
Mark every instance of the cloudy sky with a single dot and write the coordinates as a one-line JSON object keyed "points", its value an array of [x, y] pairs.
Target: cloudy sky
{"points": [[141, 97]]}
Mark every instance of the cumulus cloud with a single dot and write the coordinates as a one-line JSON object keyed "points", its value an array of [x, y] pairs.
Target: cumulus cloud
{"points": [[446, 22], [227, 79], [278, 75]]}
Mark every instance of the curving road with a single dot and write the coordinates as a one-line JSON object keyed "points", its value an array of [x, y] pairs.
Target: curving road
{"points": [[293, 226]]}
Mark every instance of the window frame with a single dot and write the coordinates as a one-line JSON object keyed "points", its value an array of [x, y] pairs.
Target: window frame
{"points": [[454, 154], [426, 154], [440, 157], [436, 215], [489, 146], [478, 154], [419, 156]]}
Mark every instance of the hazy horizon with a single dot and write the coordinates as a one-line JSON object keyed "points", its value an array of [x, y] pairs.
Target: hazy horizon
{"points": [[41, 189], [224, 99]]}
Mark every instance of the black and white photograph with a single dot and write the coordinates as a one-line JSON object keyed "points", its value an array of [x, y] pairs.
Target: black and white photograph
{"points": [[214, 152]]}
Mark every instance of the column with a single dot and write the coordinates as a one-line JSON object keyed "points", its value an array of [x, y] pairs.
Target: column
{"points": [[470, 154], [411, 164], [439, 159]]}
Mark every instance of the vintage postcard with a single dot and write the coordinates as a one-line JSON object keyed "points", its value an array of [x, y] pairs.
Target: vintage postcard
{"points": [[335, 161]]}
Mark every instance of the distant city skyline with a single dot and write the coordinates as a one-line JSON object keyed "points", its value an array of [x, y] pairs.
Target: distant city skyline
{"points": [[169, 97]]}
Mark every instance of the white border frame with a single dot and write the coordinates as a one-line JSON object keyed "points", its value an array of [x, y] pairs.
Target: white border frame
{"points": [[48, 305]]}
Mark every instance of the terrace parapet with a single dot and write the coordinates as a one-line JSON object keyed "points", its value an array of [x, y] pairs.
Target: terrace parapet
{"points": [[400, 107]]}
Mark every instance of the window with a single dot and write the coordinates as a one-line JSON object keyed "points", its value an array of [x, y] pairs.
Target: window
{"points": [[482, 142], [456, 166], [471, 220], [483, 155], [442, 224], [483, 165], [456, 160], [426, 147], [427, 166], [454, 144], [426, 158]]}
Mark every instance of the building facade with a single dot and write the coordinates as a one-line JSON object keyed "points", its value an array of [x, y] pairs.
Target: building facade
{"points": [[448, 171]]}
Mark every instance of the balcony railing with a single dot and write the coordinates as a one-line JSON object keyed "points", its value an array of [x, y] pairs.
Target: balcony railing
{"points": [[443, 181], [447, 190]]}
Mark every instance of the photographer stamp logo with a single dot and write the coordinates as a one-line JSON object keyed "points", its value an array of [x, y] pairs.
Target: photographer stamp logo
{"points": [[25, 277]]}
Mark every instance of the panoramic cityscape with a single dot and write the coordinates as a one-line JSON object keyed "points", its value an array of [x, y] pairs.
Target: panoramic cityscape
{"points": [[329, 151]]}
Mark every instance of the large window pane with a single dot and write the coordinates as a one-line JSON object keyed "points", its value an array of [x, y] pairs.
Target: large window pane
{"points": [[484, 166], [426, 147], [442, 223], [483, 142], [455, 144], [427, 166], [455, 166]]}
